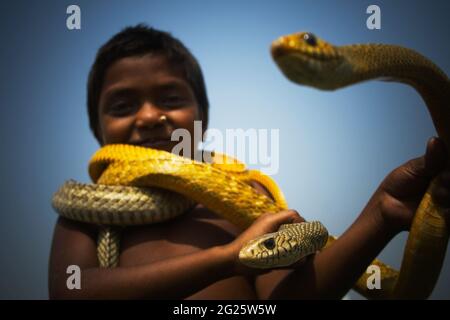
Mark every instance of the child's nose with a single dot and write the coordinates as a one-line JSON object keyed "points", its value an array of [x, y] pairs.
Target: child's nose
{"points": [[148, 115]]}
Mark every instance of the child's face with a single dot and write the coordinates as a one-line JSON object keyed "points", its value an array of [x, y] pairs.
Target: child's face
{"points": [[143, 100]]}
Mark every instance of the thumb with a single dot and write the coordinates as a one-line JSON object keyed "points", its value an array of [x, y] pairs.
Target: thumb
{"points": [[286, 217], [435, 157]]}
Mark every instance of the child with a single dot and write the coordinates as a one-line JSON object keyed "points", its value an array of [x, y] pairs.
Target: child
{"points": [[143, 85]]}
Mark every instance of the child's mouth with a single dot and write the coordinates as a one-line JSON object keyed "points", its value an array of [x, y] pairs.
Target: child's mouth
{"points": [[155, 143]]}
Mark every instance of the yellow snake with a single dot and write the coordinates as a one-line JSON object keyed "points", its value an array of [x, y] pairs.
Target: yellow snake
{"points": [[124, 174], [121, 197], [308, 60]]}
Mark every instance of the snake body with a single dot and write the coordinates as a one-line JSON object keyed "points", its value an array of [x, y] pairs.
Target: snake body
{"points": [[135, 185], [308, 60]]}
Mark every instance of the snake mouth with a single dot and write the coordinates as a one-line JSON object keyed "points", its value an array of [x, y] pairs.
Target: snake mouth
{"points": [[291, 45], [280, 52], [306, 69], [298, 68]]}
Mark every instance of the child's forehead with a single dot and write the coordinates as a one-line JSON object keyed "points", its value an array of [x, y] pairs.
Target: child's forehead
{"points": [[142, 70]]}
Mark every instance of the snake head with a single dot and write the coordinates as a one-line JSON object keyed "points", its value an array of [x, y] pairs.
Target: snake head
{"points": [[261, 252], [270, 250], [307, 60], [288, 245]]}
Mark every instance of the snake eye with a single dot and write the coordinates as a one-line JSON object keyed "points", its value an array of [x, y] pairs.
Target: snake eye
{"points": [[269, 243], [310, 39]]}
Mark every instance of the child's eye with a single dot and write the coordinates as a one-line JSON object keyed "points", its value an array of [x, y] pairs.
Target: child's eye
{"points": [[120, 108], [173, 101]]}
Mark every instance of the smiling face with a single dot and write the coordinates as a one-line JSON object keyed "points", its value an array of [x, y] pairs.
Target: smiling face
{"points": [[143, 100]]}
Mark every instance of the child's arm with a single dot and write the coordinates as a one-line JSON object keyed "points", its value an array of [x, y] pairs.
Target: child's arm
{"points": [[75, 244], [331, 273]]}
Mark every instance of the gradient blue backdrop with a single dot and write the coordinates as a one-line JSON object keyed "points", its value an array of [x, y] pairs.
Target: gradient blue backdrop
{"points": [[335, 147]]}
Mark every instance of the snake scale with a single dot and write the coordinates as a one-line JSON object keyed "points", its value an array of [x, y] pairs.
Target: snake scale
{"points": [[135, 185]]}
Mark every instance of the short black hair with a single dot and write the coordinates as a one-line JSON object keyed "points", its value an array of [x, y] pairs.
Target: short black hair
{"points": [[140, 40]]}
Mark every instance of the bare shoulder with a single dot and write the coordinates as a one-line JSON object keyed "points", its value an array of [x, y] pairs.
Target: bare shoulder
{"points": [[72, 238]]}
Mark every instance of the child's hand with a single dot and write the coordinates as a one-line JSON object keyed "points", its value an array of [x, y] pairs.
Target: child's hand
{"points": [[267, 223], [403, 189]]}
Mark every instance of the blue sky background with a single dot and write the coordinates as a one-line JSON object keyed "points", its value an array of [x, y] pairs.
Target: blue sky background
{"points": [[335, 147]]}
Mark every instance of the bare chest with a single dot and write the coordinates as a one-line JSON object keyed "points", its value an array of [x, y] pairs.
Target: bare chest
{"points": [[196, 230]]}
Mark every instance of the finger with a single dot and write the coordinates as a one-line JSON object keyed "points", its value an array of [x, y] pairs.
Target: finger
{"points": [[431, 163], [285, 217], [444, 178], [296, 217], [441, 193], [435, 157], [271, 222]]}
